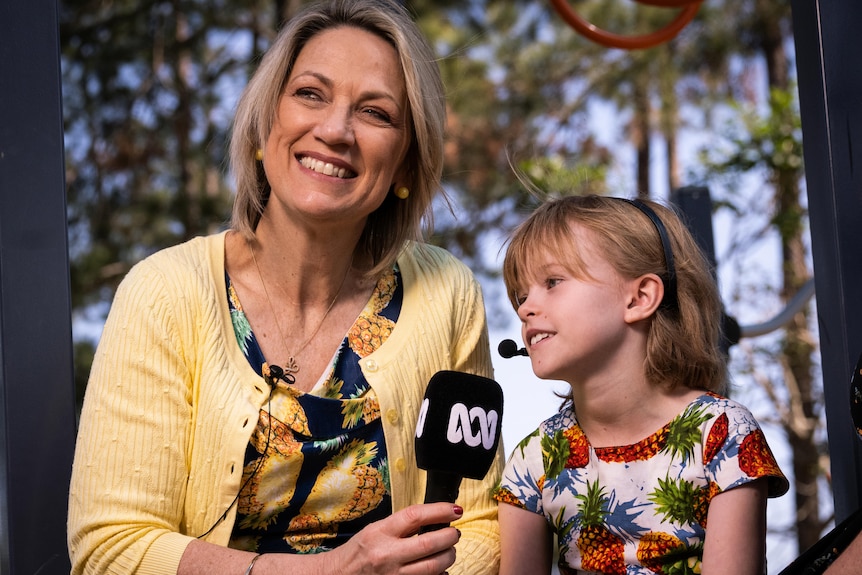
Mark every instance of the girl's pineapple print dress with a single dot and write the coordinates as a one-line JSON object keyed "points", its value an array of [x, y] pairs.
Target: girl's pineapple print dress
{"points": [[638, 509], [316, 469]]}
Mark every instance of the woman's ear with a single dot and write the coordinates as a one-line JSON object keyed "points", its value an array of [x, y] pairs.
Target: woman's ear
{"points": [[645, 294]]}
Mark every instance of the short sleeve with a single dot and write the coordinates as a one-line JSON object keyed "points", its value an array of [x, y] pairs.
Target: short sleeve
{"points": [[521, 484], [735, 450]]}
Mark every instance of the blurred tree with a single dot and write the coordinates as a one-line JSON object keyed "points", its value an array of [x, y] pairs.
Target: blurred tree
{"points": [[769, 141], [150, 86], [546, 80], [146, 124], [148, 92], [771, 144]]}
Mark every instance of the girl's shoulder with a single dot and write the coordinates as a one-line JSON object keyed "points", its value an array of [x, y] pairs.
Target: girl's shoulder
{"points": [[718, 404], [560, 421]]}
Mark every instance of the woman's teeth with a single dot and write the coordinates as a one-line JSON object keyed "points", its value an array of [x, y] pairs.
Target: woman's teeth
{"points": [[324, 167]]}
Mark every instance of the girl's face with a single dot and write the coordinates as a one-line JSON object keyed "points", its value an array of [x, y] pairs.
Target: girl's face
{"points": [[573, 325], [341, 130]]}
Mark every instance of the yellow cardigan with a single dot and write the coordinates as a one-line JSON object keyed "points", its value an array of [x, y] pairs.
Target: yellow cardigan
{"points": [[172, 401]]}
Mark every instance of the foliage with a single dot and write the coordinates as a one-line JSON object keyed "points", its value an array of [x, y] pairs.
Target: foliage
{"points": [[149, 89], [146, 124]]}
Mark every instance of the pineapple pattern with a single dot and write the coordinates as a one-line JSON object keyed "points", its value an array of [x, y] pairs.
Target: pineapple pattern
{"points": [[641, 508], [316, 469]]}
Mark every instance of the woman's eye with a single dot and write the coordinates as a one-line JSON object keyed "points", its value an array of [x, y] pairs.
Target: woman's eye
{"points": [[307, 93], [378, 115]]}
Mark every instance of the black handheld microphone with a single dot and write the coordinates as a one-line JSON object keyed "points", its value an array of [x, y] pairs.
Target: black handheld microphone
{"points": [[457, 432], [508, 348]]}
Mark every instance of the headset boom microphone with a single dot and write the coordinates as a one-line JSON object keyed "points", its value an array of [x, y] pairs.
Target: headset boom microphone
{"points": [[457, 432], [508, 348]]}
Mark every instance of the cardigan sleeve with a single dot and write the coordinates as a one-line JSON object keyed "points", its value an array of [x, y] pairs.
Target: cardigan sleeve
{"points": [[130, 471]]}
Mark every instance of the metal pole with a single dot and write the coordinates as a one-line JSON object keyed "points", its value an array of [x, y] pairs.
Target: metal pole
{"points": [[830, 93], [37, 408]]}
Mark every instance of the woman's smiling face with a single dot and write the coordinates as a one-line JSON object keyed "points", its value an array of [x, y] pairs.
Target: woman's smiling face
{"points": [[342, 128]]}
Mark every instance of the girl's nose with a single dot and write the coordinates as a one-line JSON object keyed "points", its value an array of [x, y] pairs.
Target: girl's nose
{"points": [[527, 307]]}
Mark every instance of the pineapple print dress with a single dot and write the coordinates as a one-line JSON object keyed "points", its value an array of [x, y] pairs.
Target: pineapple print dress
{"points": [[316, 470], [641, 508]]}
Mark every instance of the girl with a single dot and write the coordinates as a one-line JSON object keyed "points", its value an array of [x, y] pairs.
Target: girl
{"points": [[616, 299]]}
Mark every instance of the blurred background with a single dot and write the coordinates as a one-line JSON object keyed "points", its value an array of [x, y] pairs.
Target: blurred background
{"points": [[713, 113]]}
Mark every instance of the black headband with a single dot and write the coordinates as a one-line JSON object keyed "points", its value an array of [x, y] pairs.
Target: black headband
{"points": [[669, 300]]}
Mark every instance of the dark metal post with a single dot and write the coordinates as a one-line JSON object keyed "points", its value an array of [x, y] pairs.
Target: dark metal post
{"points": [[695, 203], [827, 36], [37, 408]]}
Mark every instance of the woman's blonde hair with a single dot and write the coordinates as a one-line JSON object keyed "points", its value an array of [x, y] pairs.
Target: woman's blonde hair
{"points": [[396, 220], [684, 339]]}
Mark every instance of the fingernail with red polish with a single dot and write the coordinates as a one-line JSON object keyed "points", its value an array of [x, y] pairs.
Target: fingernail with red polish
{"points": [[458, 510]]}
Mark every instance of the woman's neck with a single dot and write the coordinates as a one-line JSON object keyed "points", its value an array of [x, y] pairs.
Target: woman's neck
{"points": [[309, 267]]}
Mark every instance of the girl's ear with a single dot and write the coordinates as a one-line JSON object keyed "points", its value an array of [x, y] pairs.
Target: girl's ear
{"points": [[645, 294]]}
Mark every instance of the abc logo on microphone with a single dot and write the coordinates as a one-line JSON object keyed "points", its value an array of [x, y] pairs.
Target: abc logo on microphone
{"points": [[459, 424]]}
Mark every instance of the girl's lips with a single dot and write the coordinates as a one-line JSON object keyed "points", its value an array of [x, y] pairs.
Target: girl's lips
{"points": [[539, 337], [535, 336]]}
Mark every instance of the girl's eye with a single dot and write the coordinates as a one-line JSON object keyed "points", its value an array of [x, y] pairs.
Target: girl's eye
{"points": [[519, 298], [552, 282]]}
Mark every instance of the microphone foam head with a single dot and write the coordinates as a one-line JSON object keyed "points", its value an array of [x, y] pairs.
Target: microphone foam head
{"points": [[459, 424], [507, 348]]}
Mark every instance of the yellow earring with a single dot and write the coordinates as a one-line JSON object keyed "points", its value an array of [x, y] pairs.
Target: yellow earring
{"points": [[258, 155], [402, 192]]}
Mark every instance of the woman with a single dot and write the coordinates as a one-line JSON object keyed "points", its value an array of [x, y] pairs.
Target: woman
{"points": [[230, 426]]}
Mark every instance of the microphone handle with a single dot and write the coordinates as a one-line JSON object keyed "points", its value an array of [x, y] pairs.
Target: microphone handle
{"points": [[441, 486]]}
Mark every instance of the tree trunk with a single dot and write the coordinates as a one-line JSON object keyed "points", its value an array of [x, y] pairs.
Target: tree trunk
{"points": [[641, 138], [797, 346]]}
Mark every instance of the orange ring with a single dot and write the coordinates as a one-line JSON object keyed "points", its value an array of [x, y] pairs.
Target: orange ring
{"points": [[668, 3], [599, 36]]}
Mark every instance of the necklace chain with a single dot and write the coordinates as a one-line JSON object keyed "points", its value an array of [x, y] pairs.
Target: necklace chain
{"points": [[292, 366]]}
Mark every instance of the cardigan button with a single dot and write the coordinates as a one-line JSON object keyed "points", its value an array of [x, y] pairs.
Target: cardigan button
{"points": [[392, 417], [371, 365], [400, 465]]}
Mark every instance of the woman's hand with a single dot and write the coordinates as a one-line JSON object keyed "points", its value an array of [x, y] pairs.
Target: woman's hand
{"points": [[391, 546]]}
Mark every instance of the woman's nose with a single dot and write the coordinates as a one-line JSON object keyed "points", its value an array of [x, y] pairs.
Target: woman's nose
{"points": [[336, 126]]}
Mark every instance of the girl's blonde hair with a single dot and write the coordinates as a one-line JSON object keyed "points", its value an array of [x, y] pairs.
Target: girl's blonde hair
{"points": [[684, 339], [396, 220]]}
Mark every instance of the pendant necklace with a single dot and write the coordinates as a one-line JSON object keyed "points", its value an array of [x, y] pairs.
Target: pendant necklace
{"points": [[287, 372]]}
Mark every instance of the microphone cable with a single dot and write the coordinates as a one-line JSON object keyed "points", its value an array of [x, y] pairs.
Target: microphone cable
{"points": [[254, 471]]}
